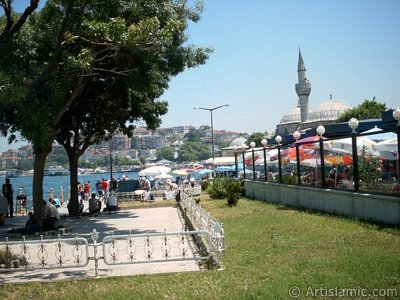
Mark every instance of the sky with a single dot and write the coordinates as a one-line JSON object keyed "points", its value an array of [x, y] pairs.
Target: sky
{"points": [[351, 49]]}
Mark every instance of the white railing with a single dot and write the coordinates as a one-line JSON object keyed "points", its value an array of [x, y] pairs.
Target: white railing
{"points": [[200, 219], [112, 250]]}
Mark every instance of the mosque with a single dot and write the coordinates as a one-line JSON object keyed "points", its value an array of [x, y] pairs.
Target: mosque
{"points": [[301, 117]]}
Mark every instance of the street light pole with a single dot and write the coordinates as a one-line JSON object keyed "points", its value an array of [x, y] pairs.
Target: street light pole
{"points": [[353, 124], [111, 161], [252, 145], [321, 131], [396, 116], [212, 126], [278, 140]]}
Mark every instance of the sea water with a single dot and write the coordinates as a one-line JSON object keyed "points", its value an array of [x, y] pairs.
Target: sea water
{"points": [[59, 182]]}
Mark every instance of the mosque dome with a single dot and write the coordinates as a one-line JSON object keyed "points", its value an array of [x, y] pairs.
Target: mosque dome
{"points": [[327, 111], [292, 116], [238, 142]]}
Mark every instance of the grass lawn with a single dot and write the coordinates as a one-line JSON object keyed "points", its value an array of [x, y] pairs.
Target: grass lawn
{"points": [[269, 248]]}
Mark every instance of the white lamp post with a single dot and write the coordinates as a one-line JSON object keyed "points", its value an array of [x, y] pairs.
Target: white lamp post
{"points": [[353, 124]]}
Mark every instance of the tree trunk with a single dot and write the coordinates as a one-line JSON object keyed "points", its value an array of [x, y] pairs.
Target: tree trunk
{"points": [[37, 188], [73, 169]]}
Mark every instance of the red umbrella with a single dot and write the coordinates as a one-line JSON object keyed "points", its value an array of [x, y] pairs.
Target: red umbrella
{"points": [[309, 139]]}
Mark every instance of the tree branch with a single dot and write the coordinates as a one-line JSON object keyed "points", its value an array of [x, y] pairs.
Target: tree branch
{"points": [[75, 93], [11, 29]]}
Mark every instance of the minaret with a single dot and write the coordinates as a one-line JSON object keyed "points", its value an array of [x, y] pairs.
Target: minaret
{"points": [[303, 89]]}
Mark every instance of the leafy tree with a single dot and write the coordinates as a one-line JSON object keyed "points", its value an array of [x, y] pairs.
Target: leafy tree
{"points": [[130, 78], [84, 69], [255, 137], [11, 23], [191, 151], [194, 135], [224, 144], [25, 164], [165, 153], [125, 161], [369, 109]]}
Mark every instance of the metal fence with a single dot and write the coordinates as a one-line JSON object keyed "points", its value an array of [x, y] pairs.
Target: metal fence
{"points": [[200, 240], [366, 162], [201, 220], [112, 250]]}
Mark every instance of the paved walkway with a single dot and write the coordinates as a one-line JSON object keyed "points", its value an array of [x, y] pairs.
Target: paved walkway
{"points": [[143, 220]]}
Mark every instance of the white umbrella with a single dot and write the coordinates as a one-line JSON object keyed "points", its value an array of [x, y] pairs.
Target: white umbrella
{"points": [[154, 171], [163, 176], [311, 162], [345, 145], [388, 145], [379, 135]]}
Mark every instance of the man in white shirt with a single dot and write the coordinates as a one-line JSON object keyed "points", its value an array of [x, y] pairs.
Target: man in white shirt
{"points": [[112, 202], [51, 216]]}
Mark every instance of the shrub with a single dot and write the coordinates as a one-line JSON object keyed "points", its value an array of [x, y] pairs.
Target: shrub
{"points": [[204, 185], [11, 260], [234, 190], [216, 189], [226, 188]]}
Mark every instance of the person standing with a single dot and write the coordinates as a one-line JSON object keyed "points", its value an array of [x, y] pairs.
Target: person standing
{"points": [[8, 192]]}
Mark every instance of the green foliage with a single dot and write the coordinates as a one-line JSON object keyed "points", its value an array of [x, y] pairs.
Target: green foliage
{"points": [[369, 109], [25, 164], [289, 179], [10, 260], [370, 171], [255, 137], [79, 71], [225, 188], [194, 135], [224, 144], [192, 151], [204, 185], [165, 153], [234, 190], [216, 189]]}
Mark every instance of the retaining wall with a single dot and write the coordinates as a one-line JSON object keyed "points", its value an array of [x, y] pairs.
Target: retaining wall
{"points": [[384, 209]]}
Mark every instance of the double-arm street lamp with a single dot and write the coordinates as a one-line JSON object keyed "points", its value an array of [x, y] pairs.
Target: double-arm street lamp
{"points": [[212, 127]]}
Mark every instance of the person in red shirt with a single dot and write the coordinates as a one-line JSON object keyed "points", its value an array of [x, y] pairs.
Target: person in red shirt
{"points": [[104, 186], [86, 189]]}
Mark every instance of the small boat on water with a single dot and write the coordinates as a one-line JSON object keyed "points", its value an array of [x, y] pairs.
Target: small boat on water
{"points": [[56, 171]]}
